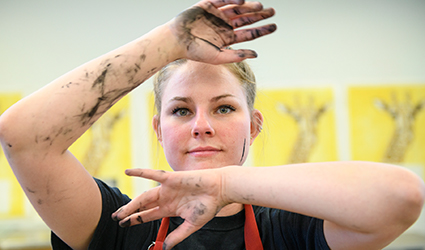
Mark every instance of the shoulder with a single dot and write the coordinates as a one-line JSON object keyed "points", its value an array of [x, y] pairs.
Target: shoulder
{"points": [[112, 198]]}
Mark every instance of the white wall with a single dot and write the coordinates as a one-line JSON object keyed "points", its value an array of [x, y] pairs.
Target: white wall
{"points": [[318, 43]]}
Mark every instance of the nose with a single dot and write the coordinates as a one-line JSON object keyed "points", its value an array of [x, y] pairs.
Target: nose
{"points": [[202, 126]]}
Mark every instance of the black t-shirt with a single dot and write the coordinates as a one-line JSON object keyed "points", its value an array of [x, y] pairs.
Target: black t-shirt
{"points": [[278, 229]]}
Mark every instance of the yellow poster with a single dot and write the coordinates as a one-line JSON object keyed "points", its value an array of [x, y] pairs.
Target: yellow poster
{"points": [[387, 125], [105, 149], [299, 126], [11, 195]]}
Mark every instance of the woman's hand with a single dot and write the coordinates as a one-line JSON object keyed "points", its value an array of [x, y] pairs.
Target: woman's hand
{"points": [[205, 30], [195, 196]]}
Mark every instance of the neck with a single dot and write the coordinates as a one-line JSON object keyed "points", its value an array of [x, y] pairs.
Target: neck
{"points": [[230, 209]]}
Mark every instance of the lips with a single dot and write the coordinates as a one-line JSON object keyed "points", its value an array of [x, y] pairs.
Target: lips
{"points": [[204, 151]]}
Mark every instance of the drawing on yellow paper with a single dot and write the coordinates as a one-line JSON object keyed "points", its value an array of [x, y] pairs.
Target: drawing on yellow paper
{"points": [[387, 125], [105, 149], [11, 195], [299, 126]]}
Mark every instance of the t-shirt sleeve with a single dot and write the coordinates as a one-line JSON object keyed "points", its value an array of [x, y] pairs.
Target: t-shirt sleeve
{"points": [[108, 234], [280, 229]]}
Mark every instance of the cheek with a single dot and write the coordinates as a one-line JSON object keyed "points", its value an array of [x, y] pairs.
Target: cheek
{"points": [[235, 133], [172, 136]]}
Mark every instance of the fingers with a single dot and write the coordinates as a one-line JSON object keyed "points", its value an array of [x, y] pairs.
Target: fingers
{"points": [[156, 175], [253, 33], [235, 10], [251, 18], [230, 56], [145, 201], [220, 3], [179, 234], [142, 217]]}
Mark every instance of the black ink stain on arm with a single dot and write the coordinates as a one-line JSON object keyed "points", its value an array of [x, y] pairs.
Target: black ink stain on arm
{"points": [[30, 190], [100, 80]]}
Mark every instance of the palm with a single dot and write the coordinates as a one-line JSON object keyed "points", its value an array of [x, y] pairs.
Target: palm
{"points": [[191, 198], [206, 29]]}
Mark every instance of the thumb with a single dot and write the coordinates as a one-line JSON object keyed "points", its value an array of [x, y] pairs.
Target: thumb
{"points": [[230, 56]]}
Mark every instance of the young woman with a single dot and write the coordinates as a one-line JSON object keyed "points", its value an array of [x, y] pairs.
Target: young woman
{"points": [[205, 124]]}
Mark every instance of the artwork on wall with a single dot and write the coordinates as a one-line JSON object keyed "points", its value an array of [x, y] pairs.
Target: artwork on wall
{"points": [[387, 124], [104, 150], [299, 126]]}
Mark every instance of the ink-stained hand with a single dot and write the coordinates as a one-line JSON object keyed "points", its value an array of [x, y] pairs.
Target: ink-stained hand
{"points": [[205, 30], [195, 196]]}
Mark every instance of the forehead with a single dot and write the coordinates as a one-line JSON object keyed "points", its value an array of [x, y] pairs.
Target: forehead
{"points": [[193, 78]]}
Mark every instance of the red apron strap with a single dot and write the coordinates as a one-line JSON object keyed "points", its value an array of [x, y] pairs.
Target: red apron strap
{"points": [[251, 234], [162, 233]]}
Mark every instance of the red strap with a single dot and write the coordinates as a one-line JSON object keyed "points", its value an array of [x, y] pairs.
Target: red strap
{"points": [[162, 233], [251, 234]]}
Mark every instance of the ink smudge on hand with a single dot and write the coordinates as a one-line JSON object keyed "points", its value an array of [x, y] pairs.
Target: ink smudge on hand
{"points": [[126, 223]]}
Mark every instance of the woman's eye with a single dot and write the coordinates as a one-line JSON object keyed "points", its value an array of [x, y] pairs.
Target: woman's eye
{"points": [[225, 109], [180, 111]]}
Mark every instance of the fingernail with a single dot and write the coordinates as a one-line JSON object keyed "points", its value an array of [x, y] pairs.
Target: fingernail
{"points": [[126, 223], [114, 216], [272, 27]]}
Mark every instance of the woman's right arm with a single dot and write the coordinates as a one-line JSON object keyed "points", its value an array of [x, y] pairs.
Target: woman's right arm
{"points": [[36, 132]]}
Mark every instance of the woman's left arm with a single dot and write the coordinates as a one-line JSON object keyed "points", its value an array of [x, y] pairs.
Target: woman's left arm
{"points": [[364, 205]]}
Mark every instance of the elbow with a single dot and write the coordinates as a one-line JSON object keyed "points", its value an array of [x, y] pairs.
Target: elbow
{"points": [[412, 196], [4, 128], [418, 198], [9, 130]]}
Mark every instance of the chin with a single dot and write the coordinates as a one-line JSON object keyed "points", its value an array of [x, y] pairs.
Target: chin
{"points": [[200, 165]]}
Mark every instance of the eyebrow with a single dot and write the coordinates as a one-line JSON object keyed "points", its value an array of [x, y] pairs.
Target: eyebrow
{"points": [[190, 100], [217, 98], [181, 99]]}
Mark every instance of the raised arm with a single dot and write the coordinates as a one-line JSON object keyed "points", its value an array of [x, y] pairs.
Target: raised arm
{"points": [[36, 132], [364, 205]]}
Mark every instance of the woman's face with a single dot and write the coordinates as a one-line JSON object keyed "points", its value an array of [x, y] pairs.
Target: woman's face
{"points": [[205, 121]]}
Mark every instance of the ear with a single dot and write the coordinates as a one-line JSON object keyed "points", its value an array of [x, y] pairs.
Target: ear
{"points": [[256, 124], [157, 128]]}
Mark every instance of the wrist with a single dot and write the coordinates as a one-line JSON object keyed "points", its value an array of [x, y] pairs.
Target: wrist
{"points": [[177, 49], [227, 193]]}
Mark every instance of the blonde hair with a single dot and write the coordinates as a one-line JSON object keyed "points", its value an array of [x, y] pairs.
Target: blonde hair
{"points": [[241, 70]]}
